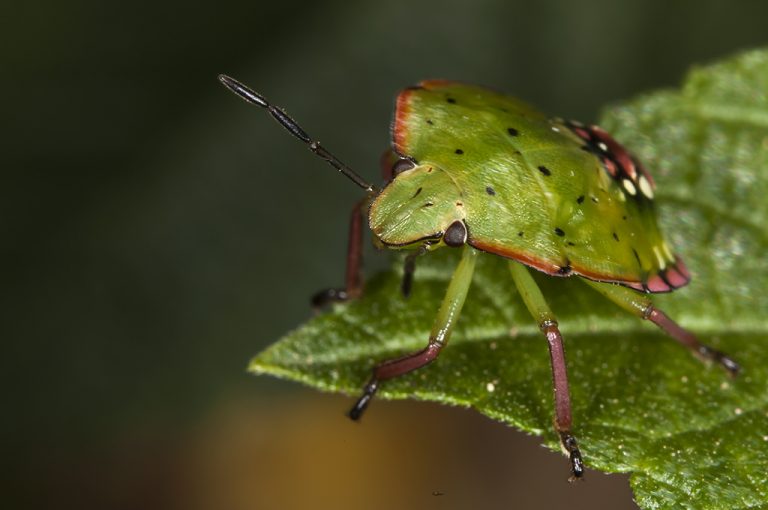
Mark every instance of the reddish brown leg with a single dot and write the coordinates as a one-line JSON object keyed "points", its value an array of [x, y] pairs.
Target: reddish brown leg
{"points": [[688, 339], [446, 318], [393, 368], [537, 305], [641, 306], [354, 278], [562, 397]]}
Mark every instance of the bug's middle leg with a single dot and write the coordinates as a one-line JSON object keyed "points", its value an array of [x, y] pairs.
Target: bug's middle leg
{"points": [[449, 312], [537, 305], [353, 284]]}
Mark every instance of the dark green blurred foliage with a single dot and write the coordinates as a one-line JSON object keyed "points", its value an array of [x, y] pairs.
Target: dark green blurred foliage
{"points": [[157, 232]]}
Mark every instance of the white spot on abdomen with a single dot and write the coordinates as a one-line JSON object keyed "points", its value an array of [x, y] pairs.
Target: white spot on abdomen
{"points": [[645, 187], [629, 186]]}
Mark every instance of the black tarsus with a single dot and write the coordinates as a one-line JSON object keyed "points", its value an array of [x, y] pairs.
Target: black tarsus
{"points": [[362, 403], [574, 455], [325, 297], [285, 120]]}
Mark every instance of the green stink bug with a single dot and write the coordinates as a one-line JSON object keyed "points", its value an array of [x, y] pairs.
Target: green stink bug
{"points": [[473, 169]]}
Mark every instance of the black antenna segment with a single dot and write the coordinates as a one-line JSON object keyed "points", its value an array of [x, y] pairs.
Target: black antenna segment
{"points": [[292, 127]]}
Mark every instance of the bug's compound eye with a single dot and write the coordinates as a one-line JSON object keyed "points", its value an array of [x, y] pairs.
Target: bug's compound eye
{"points": [[401, 165], [456, 234]]}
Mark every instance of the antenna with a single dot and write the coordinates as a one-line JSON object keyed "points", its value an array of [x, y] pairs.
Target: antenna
{"points": [[292, 127]]}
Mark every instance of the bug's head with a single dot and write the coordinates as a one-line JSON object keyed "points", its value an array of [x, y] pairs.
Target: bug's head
{"points": [[419, 204]]}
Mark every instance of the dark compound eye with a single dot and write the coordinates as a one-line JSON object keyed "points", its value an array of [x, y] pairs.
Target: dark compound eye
{"points": [[402, 165], [456, 234]]}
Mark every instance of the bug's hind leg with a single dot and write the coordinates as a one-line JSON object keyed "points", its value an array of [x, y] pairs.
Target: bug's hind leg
{"points": [[643, 307], [353, 287], [449, 312], [536, 304]]}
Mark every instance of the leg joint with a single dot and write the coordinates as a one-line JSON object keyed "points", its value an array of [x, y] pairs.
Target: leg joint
{"points": [[648, 311], [547, 324]]}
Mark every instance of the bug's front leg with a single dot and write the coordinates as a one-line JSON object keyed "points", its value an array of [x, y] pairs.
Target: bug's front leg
{"points": [[449, 312], [353, 287], [639, 305], [536, 304]]}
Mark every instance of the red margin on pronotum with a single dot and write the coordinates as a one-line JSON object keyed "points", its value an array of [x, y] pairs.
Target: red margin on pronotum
{"points": [[399, 125]]}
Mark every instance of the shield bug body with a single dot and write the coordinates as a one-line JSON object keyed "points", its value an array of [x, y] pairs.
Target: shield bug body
{"points": [[482, 172]]}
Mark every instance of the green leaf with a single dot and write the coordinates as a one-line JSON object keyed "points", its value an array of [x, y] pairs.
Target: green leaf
{"points": [[691, 436]]}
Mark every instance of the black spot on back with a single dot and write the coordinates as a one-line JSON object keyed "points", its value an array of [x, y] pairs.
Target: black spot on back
{"points": [[451, 100], [513, 131], [520, 234], [616, 236], [580, 199], [544, 170], [417, 193], [559, 231], [459, 151], [490, 190], [429, 121]]}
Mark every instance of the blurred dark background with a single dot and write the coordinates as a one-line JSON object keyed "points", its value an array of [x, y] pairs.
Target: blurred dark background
{"points": [[157, 233]]}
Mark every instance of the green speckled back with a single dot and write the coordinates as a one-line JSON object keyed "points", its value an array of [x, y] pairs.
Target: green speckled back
{"points": [[557, 196]]}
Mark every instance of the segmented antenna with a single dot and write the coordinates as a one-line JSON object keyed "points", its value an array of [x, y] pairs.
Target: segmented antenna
{"points": [[292, 127]]}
